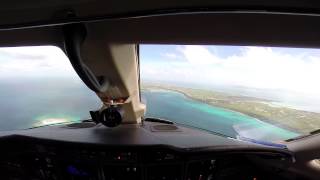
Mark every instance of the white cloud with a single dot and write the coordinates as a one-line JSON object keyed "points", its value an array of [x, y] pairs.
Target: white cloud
{"points": [[198, 54], [41, 61], [255, 67], [264, 68], [170, 55]]}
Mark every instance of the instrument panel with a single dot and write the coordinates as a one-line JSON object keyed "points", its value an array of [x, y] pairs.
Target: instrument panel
{"points": [[134, 152], [77, 162]]}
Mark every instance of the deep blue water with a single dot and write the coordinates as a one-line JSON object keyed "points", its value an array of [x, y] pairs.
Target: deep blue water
{"points": [[178, 108]]}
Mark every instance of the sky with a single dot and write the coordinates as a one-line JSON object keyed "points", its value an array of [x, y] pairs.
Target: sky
{"points": [[284, 73], [293, 69]]}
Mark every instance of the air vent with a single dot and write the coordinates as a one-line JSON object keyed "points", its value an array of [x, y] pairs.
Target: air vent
{"points": [[165, 127], [81, 125]]}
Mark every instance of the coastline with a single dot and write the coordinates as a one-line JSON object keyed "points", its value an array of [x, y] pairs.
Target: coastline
{"points": [[259, 118]]}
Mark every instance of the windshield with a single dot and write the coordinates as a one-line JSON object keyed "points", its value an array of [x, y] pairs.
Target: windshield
{"points": [[38, 86], [262, 93]]}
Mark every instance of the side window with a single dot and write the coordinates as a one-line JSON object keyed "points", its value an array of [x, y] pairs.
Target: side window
{"points": [[38, 86]]}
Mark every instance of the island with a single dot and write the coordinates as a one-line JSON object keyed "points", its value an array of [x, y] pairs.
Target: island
{"points": [[299, 121]]}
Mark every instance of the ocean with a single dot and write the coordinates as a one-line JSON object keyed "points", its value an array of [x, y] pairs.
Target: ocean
{"points": [[180, 109], [24, 104], [27, 103]]}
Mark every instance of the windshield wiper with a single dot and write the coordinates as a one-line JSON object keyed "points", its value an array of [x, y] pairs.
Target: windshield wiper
{"points": [[314, 132], [152, 119], [317, 131]]}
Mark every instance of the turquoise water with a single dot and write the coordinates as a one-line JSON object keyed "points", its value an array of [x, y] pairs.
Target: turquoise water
{"points": [[181, 109]]}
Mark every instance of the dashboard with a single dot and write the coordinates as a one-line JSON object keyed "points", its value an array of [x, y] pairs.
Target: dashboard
{"points": [[33, 155]]}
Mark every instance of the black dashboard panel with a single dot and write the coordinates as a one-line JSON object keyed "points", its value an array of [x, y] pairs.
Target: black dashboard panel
{"points": [[147, 154]]}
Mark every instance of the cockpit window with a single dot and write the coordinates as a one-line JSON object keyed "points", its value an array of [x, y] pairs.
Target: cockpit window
{"points": [[38, 86], [262, 93]]}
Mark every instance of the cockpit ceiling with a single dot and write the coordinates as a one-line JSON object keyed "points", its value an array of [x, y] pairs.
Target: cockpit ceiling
{"points": [[225, 28], [291, 23], [19, 13]]}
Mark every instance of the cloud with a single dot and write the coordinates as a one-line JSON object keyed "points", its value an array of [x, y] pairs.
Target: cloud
{"points": [[39, 61], [23, 53], [198, 55], [268, 69], [170, 55], [254, 67]]}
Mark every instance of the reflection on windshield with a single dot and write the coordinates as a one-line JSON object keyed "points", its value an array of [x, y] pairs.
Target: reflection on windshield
{"points": [[39, 87], [262, 93]]}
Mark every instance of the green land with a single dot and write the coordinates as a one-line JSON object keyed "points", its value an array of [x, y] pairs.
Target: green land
{"points": [[286, 117]]}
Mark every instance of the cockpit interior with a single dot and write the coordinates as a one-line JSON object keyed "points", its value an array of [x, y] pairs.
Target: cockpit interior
{"points": [[159, 90]]}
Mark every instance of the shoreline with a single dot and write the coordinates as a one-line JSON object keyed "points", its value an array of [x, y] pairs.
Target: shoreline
{"points": [[257, 117]]}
